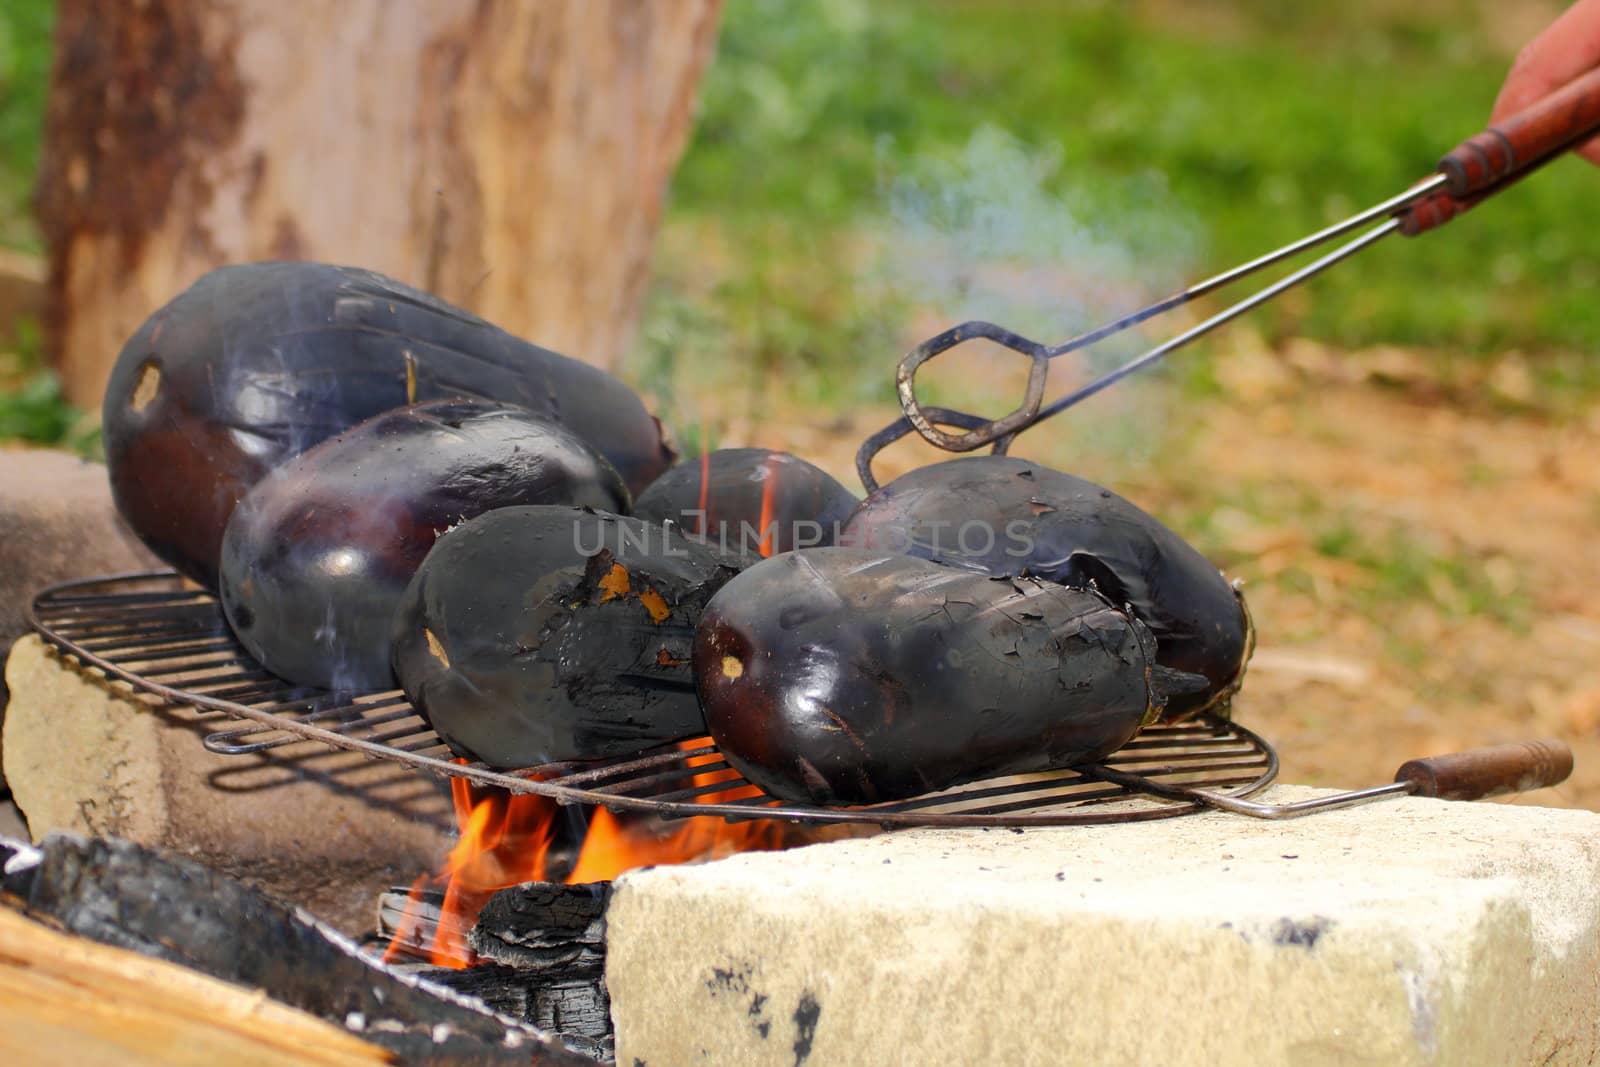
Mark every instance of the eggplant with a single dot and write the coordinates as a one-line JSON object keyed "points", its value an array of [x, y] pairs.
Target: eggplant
{"points": [[750, 500], [534, 635], [258, 362], [847, 676], [1004, 516], [317, 555]]}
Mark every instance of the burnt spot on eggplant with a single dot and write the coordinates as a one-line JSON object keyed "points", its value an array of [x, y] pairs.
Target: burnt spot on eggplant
{"points": [[750, 500], [317, 555], [257, 362], [1005, 516], [847, 676], [533, 635]]}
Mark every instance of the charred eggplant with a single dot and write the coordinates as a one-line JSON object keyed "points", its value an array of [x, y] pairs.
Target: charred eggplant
{"points": [[750, 500], [1006, 516], [317, 555], [258, 362], [841, 676], [540, 634]]}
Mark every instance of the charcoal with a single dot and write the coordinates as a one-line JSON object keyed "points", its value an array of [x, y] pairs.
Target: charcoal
{"points": [[538, 954], [573, 1007]]}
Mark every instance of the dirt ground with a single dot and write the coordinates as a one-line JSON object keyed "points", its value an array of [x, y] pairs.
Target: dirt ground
{"points": [[1419, 553]]}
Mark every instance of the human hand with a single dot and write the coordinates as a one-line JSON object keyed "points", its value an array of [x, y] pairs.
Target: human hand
{"points": [[1569, 47]]}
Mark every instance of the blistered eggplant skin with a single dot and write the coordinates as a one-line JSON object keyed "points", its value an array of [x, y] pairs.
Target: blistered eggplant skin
{"points": [[745, 499], [540, 634], [257, 362], [1006, 516], [841, 676], [317, 555]]}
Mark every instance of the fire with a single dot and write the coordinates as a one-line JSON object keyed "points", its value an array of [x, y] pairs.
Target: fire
{"points": [[769, 493], [705, 492], [505, 839]]}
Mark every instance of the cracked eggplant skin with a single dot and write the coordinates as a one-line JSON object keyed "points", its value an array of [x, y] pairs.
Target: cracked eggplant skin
{"points": [[842, 676], [317, 555], [1055, 526], [532, 635], [719, 497], [257, 362]]}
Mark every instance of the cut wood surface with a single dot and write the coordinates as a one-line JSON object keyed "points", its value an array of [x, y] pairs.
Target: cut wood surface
{"points": [[65, 1000], [511, 157]]}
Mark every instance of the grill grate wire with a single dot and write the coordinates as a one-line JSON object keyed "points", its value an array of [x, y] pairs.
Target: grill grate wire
{"points": [[172, 641]]}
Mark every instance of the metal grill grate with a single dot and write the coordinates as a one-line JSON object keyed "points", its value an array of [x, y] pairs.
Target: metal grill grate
{"points": [[172, 641]]}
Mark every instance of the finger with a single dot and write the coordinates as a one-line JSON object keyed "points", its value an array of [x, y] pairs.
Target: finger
{"points": [[1570, 46]]}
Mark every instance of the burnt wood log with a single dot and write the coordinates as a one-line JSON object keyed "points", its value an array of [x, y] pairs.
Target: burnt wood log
{"points": [[118, 893], [544, 926], [540, 955], [575, 1007]]}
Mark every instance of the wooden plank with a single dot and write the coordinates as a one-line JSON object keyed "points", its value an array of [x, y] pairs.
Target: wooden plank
{"points": [[69, 1001]]}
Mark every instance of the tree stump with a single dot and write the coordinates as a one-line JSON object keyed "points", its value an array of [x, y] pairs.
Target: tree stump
{"points": [[510, 157]]}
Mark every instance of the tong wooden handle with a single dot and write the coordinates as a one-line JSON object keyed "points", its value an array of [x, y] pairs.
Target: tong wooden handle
{"points": [[1488, 162], [1489, 772]]}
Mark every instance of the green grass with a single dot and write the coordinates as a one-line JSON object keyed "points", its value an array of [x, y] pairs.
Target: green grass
{"points": [[865, 169], [1144, 151], [24, 72], [32, 407]]}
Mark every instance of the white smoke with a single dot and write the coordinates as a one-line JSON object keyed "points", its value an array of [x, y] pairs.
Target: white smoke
{"points": [[1005, 232]]}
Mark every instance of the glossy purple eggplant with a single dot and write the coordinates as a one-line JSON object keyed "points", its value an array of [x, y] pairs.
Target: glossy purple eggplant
{"points": [[841, 676], [1005, 516], [258, 362], [541, 634], [317, 555], [750, 500]]}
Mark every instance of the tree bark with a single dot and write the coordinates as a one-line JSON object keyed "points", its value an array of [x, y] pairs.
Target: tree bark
{"points": [[511, 157]]}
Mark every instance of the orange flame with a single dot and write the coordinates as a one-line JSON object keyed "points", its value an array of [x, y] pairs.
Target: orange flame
{"points": [[705, 492], [769, 494], [506, 838]]}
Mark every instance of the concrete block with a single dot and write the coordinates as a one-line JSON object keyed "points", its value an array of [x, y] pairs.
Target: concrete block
{"points": [[56, 522], [1404, 932], [325, 829]]}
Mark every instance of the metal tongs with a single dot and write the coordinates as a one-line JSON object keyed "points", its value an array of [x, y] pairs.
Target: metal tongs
{"points": [[1476, 774], [1479, 167]]}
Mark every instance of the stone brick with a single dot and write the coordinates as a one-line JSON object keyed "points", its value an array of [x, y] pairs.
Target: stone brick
{"points": [[56, 522], [1404, 932], [322, 828]]}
